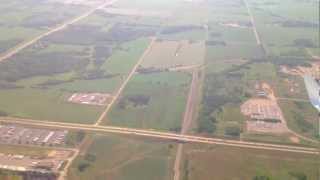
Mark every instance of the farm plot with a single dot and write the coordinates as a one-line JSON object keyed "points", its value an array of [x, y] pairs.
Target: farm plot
{"points": [[122, 158], [168, 54], [154, 101], [201, 163]]}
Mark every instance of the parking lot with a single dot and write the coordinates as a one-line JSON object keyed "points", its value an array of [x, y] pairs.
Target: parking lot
{"points": [[20, 135]]}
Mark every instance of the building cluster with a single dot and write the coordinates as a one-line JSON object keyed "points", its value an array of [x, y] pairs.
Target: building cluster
{"points": [[10, 134], [97, 99]]}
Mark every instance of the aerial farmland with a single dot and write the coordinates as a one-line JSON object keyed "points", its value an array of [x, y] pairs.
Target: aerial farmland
{"points": [[159, 89]]}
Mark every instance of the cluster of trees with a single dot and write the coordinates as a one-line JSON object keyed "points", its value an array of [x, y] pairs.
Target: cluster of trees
{"points": [[216, 43], [293, 175], [101, 54], [304, 43], [179, 29], [27, 65], [137, 100], [86, 162], [220, 89], [289, 61], [299, 24]]}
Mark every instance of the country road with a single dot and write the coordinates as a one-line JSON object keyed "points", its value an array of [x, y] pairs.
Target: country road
{"points": [[63, 175], [187, 120], [11, 52], [180, 138], [123, 85], [254, 27]]}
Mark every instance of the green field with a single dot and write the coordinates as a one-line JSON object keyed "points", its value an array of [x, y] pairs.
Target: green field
{"points": [[166, 54], [122, 158], [152, 101]]}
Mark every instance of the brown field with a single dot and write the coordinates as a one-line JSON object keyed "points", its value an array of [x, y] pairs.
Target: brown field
{"points": [[223, 163]]}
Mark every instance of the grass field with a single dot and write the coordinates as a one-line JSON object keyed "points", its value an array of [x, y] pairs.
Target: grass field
{"points": [[47, 105], [155, 101], [223, 163], [121, 158], [273, 16], [165, 54]]}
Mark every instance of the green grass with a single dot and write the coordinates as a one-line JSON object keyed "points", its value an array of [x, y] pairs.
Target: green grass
{"points": [[223, 163], [123, 59], [47, 105], [230, 116], [167, 92], [233, 51], [109, 85], [121, 158]]}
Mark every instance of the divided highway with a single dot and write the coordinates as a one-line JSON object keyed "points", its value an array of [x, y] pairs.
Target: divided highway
{"points": [[162, 135]]}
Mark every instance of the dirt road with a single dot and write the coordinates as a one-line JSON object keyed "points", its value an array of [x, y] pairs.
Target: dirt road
{"points": [[60, 27], [187, 119], [123, 85], [254, 27], [64, 173]]}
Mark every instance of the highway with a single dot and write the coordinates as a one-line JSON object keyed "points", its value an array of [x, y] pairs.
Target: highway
{"points": [[181, 138], [60, 27]]}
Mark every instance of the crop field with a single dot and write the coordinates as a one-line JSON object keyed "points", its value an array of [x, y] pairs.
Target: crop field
{"points": [[121, 158], [201, 163], [152, 101], [166, 54]]}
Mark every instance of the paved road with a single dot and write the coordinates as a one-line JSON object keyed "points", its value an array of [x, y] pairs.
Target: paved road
{"points": [[123, 85], [162, 135], [60, 27]]}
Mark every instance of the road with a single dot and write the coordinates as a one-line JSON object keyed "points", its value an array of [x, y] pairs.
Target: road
{"points": [[180, 138], [187, 120], [254, 27], [64, 173], [123, 85], [60, 27]]}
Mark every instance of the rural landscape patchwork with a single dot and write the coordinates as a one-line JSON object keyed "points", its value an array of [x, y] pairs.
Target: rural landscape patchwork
{"points": [[159, 90]]}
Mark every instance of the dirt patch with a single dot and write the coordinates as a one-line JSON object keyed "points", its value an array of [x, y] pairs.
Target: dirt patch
{"points": [[302, 70], [264, 112], [294, 139]]}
